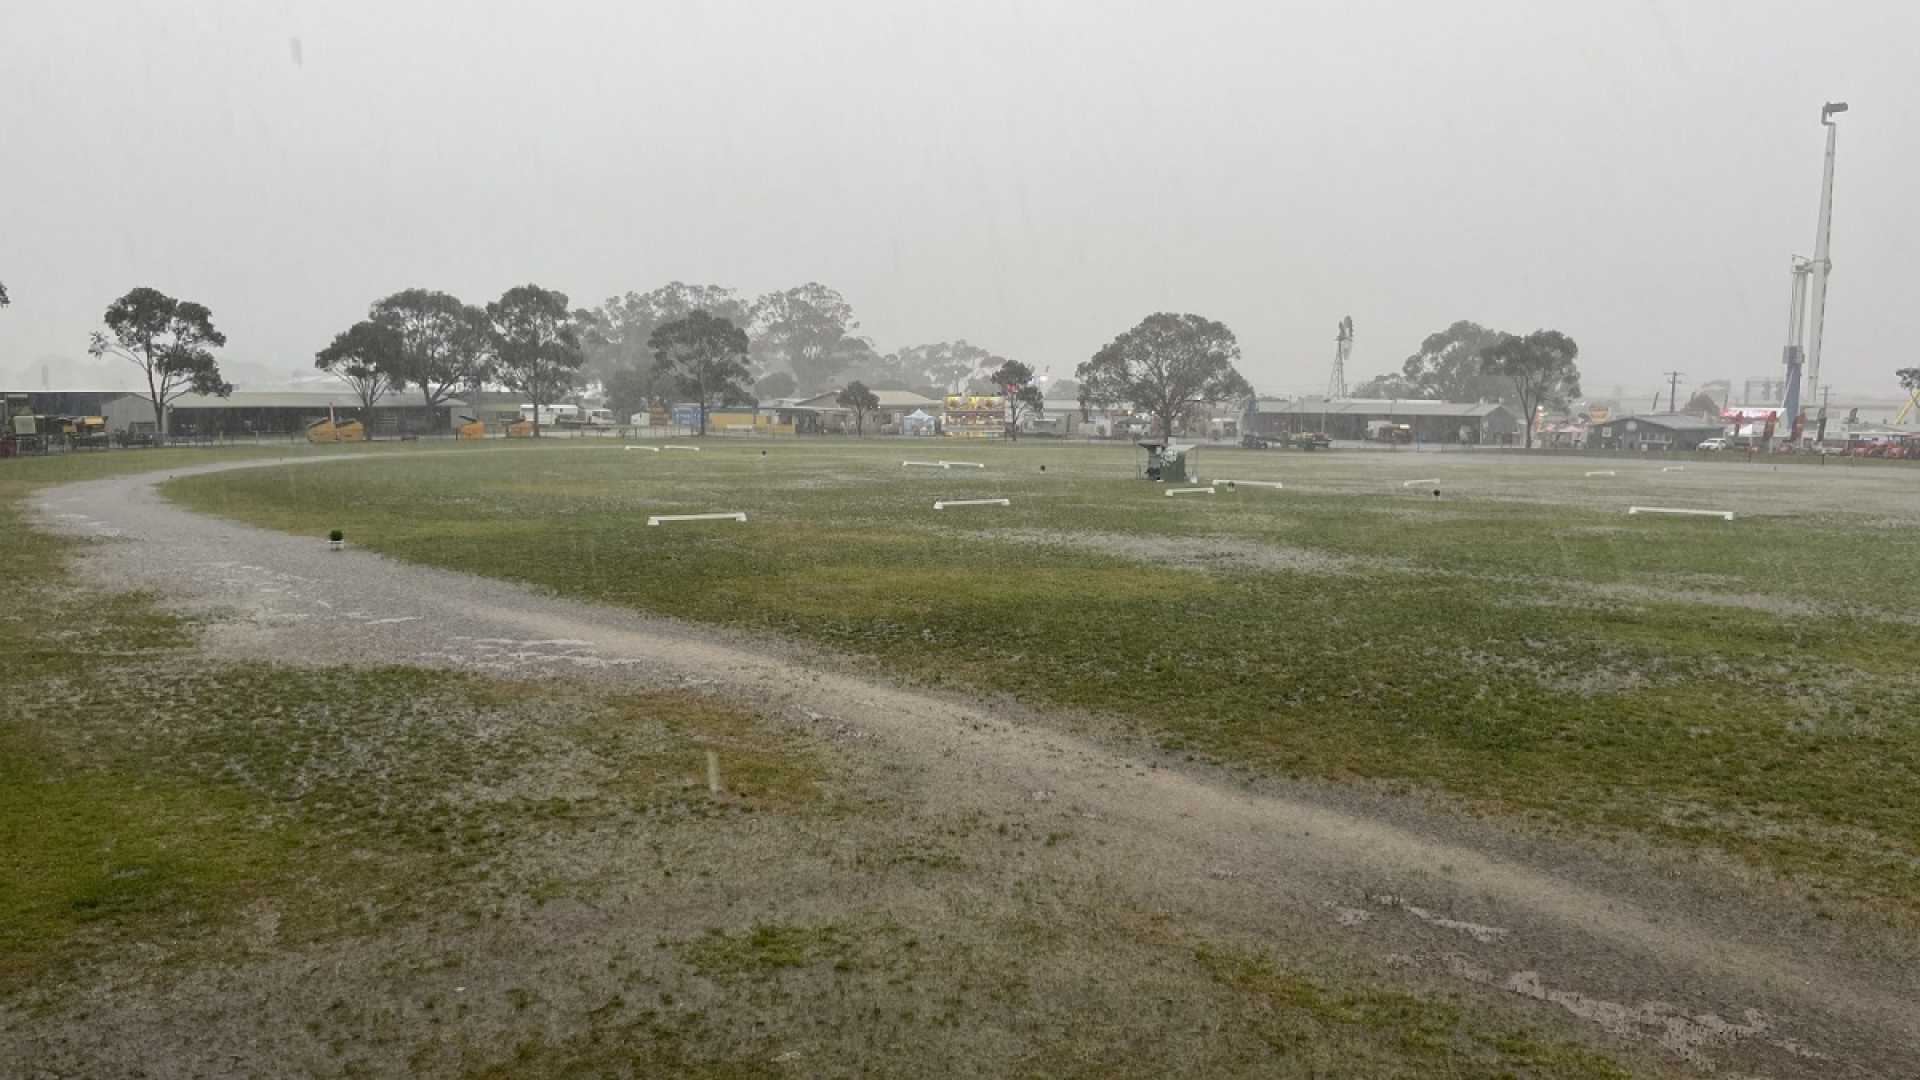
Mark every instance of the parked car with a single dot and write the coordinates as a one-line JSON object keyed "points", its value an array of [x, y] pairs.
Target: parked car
{"points": [[1712, 444]]}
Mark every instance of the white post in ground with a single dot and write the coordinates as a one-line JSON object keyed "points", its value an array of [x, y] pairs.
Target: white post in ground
{"points": [[730, 516], [1725, 515]]}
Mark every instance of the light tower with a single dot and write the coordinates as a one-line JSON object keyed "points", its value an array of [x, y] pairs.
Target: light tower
{"points": [[1814, 283], [1343, 348]]}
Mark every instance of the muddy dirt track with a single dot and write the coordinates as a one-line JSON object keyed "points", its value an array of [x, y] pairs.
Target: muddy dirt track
{"points": [[1721, 972]]}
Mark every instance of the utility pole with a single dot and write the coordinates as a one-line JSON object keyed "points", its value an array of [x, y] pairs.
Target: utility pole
{"points": [[1673, 388]]}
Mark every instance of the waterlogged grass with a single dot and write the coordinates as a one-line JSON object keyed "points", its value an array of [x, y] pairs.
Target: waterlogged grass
{"points": [[873, 1001], [1745, 687], [153, 803], [157, 812], [147, 797], [1383, 1033]]}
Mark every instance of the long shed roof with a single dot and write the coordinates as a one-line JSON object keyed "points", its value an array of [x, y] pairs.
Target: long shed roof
{"points": [[1380, 407], [300, 399], [1668, 421]]}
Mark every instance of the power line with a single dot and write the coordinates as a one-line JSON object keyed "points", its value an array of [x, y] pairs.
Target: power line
{"points": [[1673, 387]]}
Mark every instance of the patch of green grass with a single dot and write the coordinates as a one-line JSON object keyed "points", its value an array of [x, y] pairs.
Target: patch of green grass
{"points": [[765, 949], [1386, 1033], [1465, 649], [86, 853]]}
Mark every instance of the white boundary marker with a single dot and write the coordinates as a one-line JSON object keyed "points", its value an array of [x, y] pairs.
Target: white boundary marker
{"points": [[944, 503], [1603, 472], [926, 464], [1171, 492], [1248, 483], [1726, 515], [1410, 483], [1673, 468], [962, 464], [653, 449], [671, 446], [658, 518]]}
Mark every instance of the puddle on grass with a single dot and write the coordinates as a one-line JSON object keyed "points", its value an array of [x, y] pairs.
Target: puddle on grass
{"points": [[1193, 552], [1348, 916], [1485, 935], [1686, 1036], [1590, 679]]}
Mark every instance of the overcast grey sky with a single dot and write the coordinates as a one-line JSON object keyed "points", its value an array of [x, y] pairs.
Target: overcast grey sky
{"points": [[1034, 177]]}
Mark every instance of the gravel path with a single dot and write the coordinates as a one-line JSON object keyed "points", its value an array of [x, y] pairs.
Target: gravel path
{"points": [[1721, 971]]}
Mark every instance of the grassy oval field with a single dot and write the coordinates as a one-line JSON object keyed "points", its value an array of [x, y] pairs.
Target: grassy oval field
{"points": [[1518, 642]]}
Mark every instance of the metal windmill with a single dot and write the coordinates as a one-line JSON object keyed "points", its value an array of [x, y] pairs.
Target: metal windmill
{"points": [[1337, 385]]}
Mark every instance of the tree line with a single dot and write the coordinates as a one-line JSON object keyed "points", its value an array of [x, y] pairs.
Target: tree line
{"points": [[533, 344], [800, 341], [679, 341], [528, 341], [1469, 362], [705, 344]]}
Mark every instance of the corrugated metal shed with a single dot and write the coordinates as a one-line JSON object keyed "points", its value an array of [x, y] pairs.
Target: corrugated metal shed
{"points": [[1669, 421]]}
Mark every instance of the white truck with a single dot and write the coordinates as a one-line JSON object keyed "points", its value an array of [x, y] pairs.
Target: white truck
{"points": [[551, 415], [569, 416]]}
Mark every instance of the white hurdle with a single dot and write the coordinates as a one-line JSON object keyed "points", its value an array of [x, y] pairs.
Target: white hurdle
{"points": [[942, 504], [658, 518], [1410, 483], [1673, 468], [1603, 472], [651, 449], [1171, 492], [671, 446], [1248, 483], [1725, 515], [925, 464], [962, 465]]}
